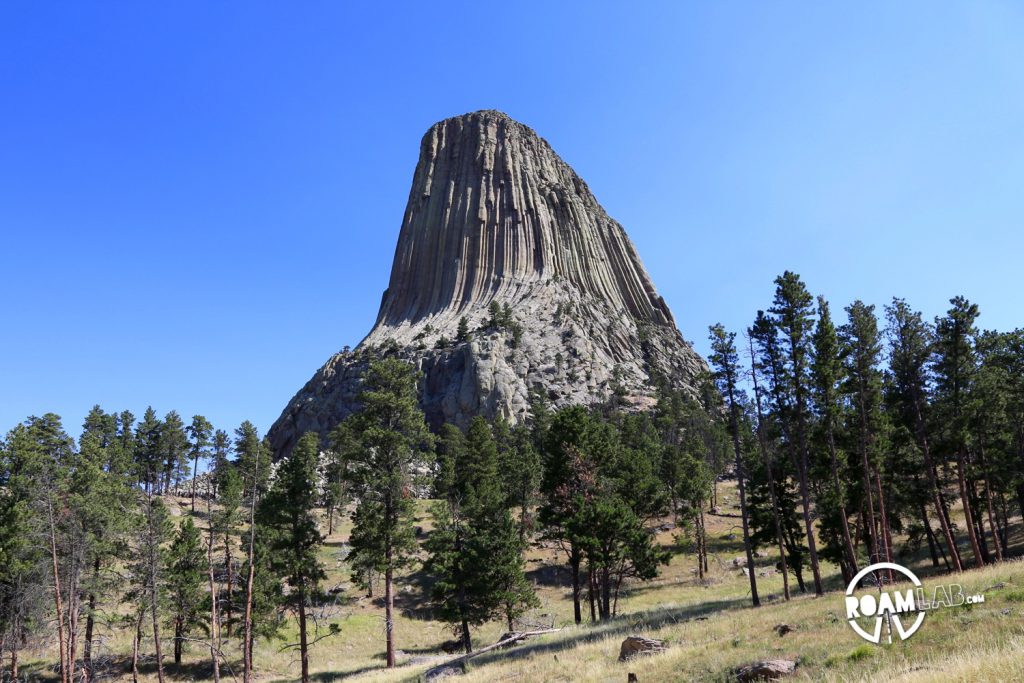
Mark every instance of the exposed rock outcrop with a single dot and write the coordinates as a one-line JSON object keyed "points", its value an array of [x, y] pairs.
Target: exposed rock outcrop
{"points": [[494, 215]]}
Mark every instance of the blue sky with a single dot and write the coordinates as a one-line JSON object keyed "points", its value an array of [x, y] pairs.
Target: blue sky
{"points": [[199, 201]]}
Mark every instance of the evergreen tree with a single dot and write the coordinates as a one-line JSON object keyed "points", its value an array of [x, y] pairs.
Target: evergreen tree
{"points": [[462, 333], [862, 349], [725, 361], [199, 431], [910, 341], [184, 570], [476, 553], [793, 316], [147, 455], [174, 448], [286, 518], [826, 378], [954, 364], [382, 442]]}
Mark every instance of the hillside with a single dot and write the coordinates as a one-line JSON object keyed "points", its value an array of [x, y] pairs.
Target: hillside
{"points": [[710, 628]]}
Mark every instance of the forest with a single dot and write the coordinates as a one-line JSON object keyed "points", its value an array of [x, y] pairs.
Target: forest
{"points": [[846, 437]]}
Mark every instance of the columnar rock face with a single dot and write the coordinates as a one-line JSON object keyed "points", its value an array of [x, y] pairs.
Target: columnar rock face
{"points": [[494, 215]]}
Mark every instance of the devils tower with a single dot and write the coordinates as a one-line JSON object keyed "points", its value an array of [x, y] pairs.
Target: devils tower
{"points": [[494, 215]]}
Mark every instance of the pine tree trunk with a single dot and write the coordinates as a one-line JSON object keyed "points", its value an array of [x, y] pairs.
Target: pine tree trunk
{"points": [[812, 548], [177, 640], [933, 482], [230, 582], [886, 539], [195, 464], [929, 535], [771, 478], [467, 639], [247, 641], [988, 501], [592, 593], [574, 565], [851, 556], [90, 621], [303, 644], [214, 615], [136, 644], [389, 611], [61, 641], [734, 427], [972, 533], [156, 626]]}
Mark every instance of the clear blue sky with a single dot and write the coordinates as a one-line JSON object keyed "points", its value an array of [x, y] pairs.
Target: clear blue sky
{"points": [[199, 201]]}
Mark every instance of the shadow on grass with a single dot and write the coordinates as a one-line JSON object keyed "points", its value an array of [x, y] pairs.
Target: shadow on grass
{"points": [[623, 625]]}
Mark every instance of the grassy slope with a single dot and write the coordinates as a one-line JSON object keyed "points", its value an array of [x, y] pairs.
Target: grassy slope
{"points": [[710, 628]]}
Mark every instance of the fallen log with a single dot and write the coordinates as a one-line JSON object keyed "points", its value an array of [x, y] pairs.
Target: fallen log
{"points": [[459, 662]]}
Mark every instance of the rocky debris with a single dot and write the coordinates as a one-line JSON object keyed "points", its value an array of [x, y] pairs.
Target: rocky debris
{"points": [[494, 216], [634, 646], [782, 629], [739, 562], [768, 670]]}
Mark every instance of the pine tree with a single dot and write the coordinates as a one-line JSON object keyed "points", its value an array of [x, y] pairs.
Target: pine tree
{"points": [[792, 311], [174, 448], [910, 340], [184, 571], [382, 442], [475, 550], [199, 431], [955, 367], [100, 490], [286, 518], [826, 377], [725, 361], [147, 456], [519, 470], [462, 333]]}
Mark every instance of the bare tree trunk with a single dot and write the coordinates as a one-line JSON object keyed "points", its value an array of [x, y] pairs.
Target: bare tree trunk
{"points": [[303, 644], [884, 518], [972, 533], [90, 621], [389, 611], [61, 640], [214, 615], [136, 644], [933, 482], [930, 536], [154, 601], [230, 580], [247, 633], [591, 593], [734, 427], [574, 565], [991, 513]]}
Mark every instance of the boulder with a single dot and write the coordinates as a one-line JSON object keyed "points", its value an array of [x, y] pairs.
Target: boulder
{"points": [[768, 670], [633, 646]]}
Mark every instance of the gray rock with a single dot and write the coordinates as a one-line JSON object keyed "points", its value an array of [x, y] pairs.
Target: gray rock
{"points": [[633, 646], [495, 215], [768, 670]]}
